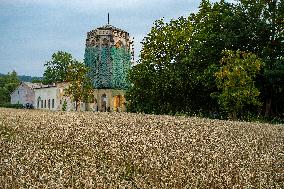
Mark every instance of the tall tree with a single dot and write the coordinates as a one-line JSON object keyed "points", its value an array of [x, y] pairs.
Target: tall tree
{"points": [[157, 80], [57, 68], [64, 68], [179, 58], [8, 83], [79, 87]]}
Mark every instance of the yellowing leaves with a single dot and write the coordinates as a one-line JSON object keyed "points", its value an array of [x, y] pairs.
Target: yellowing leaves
{"points": [[235, 79]]}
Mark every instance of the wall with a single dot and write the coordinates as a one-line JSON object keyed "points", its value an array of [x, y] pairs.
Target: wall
{"points": [[115, 100], [23, 95], [53, 92], [44, 98]]}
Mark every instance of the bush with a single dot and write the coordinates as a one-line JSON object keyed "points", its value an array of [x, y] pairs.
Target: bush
{"points": [[8, 105]]}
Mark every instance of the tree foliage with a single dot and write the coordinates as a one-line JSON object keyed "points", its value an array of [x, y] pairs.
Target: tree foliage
{"points": [[179, 59], [8, 83], [64, 68], [236, 81], [57, 68], [80, 87], [159, 78]]}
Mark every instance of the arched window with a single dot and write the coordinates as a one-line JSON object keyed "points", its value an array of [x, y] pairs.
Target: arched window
{"points": [[117, 103], [105, 43], [118, 44], [104, 103]]}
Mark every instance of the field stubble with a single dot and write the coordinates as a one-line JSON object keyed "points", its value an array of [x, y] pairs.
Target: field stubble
{"points": [[43, 149]]}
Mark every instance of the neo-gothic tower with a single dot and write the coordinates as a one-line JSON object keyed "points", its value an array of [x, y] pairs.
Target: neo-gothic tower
{"points": [[109, 55]]}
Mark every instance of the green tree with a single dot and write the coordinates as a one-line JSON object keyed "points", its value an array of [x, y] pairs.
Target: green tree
{"points": [[64, 68], [158, 79], [8, 83], [80, 87], [236, 81], [57, 68], [179, 58]]}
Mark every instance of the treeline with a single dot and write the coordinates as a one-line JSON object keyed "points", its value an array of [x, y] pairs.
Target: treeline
{"points": [[226, 60], [30, 79], [8, 83], [26, 78]]}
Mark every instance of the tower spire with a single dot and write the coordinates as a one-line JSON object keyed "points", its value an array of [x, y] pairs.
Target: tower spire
{"points": [[108, 18]]}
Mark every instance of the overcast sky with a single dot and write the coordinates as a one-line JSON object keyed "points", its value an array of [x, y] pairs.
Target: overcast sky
{"points": [[32, 30]]}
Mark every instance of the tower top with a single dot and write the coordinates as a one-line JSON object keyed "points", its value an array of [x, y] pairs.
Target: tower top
{"points": [[108, 18]]}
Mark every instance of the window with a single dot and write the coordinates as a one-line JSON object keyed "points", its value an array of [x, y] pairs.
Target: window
{"points": [[52, 103], [48, 103], [44, 103], [104, 103], [38, 102], [41, 103], [18, 92]]}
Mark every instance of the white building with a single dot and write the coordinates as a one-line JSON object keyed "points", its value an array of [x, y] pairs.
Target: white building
{"points": [[51, 97], [24, 93]]}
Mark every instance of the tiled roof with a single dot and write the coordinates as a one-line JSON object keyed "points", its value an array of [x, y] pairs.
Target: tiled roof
{"points": [[33, 85]]}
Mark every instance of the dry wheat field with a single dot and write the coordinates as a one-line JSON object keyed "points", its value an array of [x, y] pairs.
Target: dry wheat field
{"points": [[42, 149]]}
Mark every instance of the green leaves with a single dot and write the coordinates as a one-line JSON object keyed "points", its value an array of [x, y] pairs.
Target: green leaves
{"points": [[179, 60], [235, 79], [63, 68], [80, 86], [8, 83], [57, 68]]}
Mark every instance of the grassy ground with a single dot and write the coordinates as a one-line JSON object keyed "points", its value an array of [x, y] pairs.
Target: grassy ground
{"points": [[120, 150]]}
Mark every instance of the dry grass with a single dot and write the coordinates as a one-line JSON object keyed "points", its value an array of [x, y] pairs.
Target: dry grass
{"points": [[42, 149]]}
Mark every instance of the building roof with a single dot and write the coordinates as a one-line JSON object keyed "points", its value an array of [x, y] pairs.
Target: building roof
{"points": [[33, 85], [30, 85], [61, 84], [110, 27]]}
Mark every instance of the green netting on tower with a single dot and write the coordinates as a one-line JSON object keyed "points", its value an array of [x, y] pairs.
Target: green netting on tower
{"points": [[91, 60], [108, 66], [121, 63], [103, 72]]}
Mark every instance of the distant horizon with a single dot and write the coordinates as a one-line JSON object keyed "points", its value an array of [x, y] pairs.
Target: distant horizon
{"points": [[32, 31]]}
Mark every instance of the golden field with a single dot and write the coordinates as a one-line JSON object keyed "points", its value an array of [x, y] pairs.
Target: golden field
{"points": [[42, 149]]}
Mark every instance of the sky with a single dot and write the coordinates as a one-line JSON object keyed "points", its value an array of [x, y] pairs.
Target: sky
{"points": [[32, 30]]}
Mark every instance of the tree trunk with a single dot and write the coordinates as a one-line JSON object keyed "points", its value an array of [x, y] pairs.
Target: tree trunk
{"points": [[233, 116], [268, 102], [268, 107], [76, 106]]}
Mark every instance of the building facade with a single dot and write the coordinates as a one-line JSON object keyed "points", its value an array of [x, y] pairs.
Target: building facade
{"points": [[109, 55], [51, 97], [24, 94]]}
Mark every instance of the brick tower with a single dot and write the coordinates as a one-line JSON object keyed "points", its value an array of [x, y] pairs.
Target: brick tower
{"points": [[109, 55]]}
